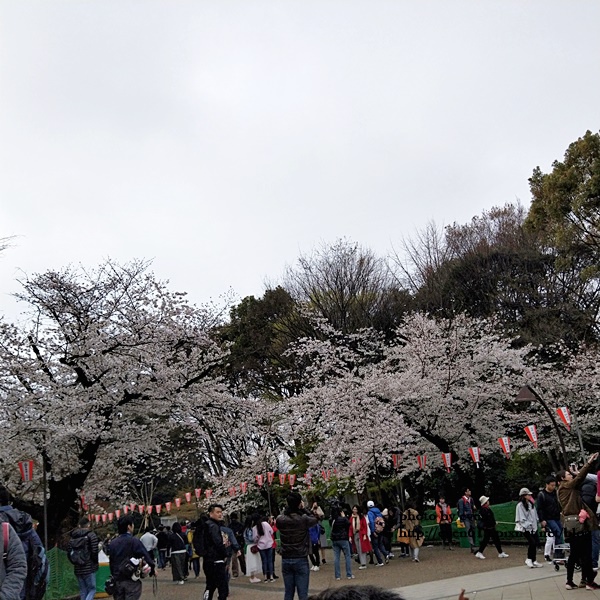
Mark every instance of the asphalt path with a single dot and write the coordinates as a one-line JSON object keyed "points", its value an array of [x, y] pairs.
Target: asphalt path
{"points": [[435, 564]]}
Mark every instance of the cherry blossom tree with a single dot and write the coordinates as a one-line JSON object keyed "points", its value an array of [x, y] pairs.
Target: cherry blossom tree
{"points": [[110, 362]]}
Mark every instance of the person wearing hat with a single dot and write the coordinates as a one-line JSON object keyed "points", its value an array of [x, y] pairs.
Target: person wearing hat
{"points": [[527, 522], [488, 524]]}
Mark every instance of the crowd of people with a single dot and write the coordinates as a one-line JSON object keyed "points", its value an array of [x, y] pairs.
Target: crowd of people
{"points": [[566, 509]]}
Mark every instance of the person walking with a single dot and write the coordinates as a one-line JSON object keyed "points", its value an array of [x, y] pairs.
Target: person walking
{"points": [[83, 553], [359, 536], [194, 558], [293, 527], [578, 523], [162, 543], [466, 514], [215, 555], [238, 563], [527, 522], [488, 524], [178, 547], [340, 528], [548, 510], [412, 524], [121, 551], [443, 517], [14, 573]]}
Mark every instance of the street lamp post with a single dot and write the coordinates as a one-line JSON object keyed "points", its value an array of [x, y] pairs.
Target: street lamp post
{"points": [[528, 394]]}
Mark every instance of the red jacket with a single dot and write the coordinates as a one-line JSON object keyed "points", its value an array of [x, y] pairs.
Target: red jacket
{"points": [[365, 542]]}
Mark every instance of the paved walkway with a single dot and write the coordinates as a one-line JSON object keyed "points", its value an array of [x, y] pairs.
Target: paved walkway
{"points": [[515, 583]]}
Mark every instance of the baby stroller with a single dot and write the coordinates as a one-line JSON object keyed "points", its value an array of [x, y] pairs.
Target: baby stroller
{"points": [[557, 562]]}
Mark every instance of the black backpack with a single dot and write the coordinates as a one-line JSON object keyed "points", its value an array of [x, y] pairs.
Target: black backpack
{"points": [[78, 551], [38, 568], [199, 538]]}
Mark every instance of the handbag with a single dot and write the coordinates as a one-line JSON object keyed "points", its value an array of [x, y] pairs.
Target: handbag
{"points": [[254, 549], [572, 525]]}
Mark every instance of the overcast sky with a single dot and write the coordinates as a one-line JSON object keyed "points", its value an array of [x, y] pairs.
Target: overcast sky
{"points": [[223, 138]]}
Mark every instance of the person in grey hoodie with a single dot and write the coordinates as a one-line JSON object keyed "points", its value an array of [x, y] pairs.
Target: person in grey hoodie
{"points": [[527, 522], [13, 569]]}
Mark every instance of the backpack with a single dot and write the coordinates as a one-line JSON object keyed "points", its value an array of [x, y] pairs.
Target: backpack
{"points": [[38, 568], [379, 524], [249, 536], [199, 538], [78, 551]]}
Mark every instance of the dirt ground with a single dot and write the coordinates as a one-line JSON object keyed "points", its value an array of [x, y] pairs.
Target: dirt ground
{"points": [[434, 564]]}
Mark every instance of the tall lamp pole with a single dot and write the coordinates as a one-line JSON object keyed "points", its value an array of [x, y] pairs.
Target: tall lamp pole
{"points": [[528, 394]]}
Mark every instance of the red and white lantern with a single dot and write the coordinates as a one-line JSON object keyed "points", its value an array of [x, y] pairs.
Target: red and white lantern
{"points": [[325, 475], [292, 479], [132, 506], [188, 497], [208, 494], [26, 468], [505, 445], [447, 459], [104, 517], [118, 513], [244, 487], [149, 509], [475, 454], [177, 502], [422, 461], [270, 477], [168, 506], [396, 459], [565, 416], [531, 432], [232, 491], [198, 493], [97, 518], [111, 516], [281, 478], [158, 508], [260, 479], [141, 508]]}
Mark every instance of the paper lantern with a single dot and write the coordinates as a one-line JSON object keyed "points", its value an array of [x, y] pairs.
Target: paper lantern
{"points": [[531, 432]]}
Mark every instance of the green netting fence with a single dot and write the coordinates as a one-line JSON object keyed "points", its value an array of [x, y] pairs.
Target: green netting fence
{"points": [[63, 583]]}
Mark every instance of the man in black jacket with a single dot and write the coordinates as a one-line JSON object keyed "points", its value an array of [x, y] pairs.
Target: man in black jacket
{"points": [[215, 556], [548, 510], [293, 526], [85, 568]]}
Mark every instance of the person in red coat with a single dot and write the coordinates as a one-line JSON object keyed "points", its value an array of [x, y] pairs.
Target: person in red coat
{"points": [[359, 535]]}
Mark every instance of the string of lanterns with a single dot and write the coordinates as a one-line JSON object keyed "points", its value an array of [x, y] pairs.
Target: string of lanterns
{"points": [[291, 478]]}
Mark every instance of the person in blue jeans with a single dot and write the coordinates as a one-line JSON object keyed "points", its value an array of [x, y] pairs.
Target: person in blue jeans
{"points": [[340, 540], [373, 515], [548, 509], [293, 527]]}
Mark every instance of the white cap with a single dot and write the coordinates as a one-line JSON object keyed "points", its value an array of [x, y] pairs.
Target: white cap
{"points": [[370, 504]]}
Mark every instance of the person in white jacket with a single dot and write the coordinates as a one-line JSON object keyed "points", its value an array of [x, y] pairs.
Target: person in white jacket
{"points": [[527, 522]]}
